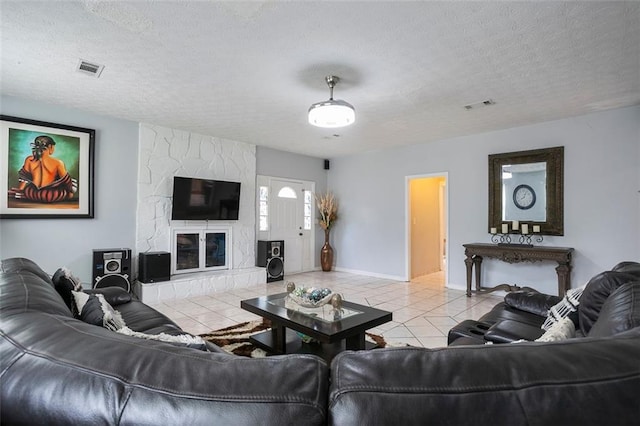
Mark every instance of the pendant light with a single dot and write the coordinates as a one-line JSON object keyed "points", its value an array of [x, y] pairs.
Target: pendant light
{"points": [[332, 113]]}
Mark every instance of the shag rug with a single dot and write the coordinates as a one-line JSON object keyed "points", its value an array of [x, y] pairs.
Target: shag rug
{"points": [[235, 339]]}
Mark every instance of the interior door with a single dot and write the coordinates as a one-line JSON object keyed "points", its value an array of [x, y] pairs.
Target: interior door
{"points": [[287, 223]]}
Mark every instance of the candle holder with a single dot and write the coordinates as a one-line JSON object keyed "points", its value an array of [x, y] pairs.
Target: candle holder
{"points": [[501, 238], [525, 240]]}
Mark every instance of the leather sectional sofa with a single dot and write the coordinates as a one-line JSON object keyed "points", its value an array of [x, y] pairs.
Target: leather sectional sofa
{"points": [[56, 369], [481, 379]]}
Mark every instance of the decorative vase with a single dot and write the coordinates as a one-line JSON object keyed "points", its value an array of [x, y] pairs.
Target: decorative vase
{"points": [[326, 254]]}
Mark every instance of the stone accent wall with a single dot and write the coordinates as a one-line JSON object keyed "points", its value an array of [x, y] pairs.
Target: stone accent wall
{"points": [[165, 153]]}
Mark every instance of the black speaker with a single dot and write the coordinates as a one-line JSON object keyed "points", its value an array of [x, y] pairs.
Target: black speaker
{"points": [[154, 266], [326, 164], [271, 256], [112, 268]]}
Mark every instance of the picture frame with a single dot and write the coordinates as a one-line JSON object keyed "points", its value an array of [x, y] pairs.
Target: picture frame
{"points": [[46, 170]]}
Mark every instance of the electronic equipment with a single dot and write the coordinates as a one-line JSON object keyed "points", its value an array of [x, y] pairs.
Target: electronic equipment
{"points": [[154, 266], [112, 268], [205, 199], [271, 255]]}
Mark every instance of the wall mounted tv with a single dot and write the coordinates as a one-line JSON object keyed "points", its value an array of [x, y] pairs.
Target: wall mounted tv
{"points": [[205, 199]]}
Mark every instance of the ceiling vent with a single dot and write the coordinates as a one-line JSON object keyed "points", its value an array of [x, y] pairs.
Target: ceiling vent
{"points": [[488, 102], [90, 69]]}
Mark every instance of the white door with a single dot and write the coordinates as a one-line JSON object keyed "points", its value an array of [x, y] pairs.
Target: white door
{"points": [[287, 223]]}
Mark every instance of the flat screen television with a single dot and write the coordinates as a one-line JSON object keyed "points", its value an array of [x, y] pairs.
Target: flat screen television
{"points": [[204, 199]]}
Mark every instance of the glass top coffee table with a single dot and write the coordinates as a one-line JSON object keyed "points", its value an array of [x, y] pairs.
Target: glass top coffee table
{"points": [[335, 330]]}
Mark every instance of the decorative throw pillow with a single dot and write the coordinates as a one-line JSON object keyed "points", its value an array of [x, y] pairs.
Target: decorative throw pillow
{"points": [[564, 308], [94, 309], [561, 330], [65, 282], [187, 340]]}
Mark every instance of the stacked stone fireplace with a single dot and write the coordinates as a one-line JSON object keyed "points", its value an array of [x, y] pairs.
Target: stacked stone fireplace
{"points": [[165, 153]]}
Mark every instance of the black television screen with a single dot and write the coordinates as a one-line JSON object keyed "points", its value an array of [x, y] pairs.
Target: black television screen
{"points": [[205, 199]]}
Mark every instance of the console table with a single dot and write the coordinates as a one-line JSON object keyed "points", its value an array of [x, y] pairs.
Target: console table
{"points": [[516, 253]]}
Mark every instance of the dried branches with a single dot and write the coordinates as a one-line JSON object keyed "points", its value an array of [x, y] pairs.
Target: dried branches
{"points": [[328, 209]]}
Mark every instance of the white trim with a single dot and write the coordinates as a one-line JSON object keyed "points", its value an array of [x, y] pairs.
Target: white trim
{"points": [[263, 180], [407, 222], [370, 274], [202, 231]]}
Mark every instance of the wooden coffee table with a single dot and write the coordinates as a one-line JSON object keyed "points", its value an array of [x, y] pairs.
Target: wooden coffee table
{"points": [[335, 331]]}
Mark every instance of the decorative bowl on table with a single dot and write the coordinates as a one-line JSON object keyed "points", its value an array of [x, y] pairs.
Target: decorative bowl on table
{"points": [[311, 297]]}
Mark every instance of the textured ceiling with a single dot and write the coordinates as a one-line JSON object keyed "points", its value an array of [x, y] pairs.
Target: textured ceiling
{"points": [[248, 71]]}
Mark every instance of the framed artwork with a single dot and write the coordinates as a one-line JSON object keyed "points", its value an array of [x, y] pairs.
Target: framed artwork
{"points": [[46, 170]]}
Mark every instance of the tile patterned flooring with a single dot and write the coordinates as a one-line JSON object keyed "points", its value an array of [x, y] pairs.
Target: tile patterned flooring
{"points": [[423, 309]]}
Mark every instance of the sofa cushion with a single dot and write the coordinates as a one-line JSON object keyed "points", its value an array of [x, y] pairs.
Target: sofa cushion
{"points": [[598, 289], [25, 291], [502, 311], [65, 283], [620, 312], [114, 295], [141, 317], [20, 264], [628, 267], [531, 301], [507, 331], [95, 310]]}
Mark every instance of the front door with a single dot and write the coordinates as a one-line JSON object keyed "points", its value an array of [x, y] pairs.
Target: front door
{"points": [[286, 221]]}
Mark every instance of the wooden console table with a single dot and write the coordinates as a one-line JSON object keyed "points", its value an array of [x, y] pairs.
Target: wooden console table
{"points": [[516, 253]]}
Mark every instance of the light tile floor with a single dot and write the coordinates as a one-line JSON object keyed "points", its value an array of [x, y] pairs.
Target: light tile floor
{"points": [[423, 309]]}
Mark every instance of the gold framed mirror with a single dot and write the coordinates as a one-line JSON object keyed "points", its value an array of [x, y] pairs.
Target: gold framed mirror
{"points": [[528, 187]]}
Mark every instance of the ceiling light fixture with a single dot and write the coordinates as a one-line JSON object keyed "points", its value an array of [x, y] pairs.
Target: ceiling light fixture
{"points": [[332, 113]]}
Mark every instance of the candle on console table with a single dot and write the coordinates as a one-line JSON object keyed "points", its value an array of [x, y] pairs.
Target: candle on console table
{"points": [[514, 225], [536, 228], [505, 228], [525, 229], [494, 231]]}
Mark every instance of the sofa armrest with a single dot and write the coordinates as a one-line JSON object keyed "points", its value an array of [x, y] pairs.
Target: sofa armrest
{"points": [[113, 295], [533, 302], [507, 331]]}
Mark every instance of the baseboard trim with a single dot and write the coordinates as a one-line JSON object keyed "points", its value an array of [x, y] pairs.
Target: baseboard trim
{"points": [[370, 274], [461, 287]]}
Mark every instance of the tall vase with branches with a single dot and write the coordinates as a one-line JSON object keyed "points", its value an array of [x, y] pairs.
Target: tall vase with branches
{"points": [[328, 214]]}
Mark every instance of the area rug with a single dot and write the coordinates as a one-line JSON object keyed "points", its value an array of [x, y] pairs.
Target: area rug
{"points": [[235, 339]]}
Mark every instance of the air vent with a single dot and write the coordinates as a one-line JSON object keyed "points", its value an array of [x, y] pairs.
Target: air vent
{"points": [[480, 104], [90, 69]]}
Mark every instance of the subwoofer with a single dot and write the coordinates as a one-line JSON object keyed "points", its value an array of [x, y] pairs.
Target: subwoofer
{"points": [[112, 268], [271, 255], [154, 266]]}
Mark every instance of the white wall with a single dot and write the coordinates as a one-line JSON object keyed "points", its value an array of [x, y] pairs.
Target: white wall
{"points": [[602, 202], [165, 153], [53, 243]]}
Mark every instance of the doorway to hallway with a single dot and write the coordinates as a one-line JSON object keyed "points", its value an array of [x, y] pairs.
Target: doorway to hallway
{"points": [[426, 227]]}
